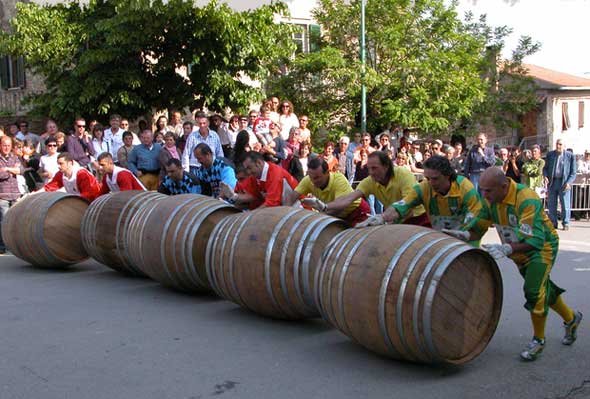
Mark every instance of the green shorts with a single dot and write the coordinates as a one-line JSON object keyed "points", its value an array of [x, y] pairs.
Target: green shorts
{"points": [[539, 291]]}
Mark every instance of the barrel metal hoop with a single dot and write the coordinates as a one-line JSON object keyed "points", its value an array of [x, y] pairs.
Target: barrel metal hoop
{"points": [[164, 243], [51, 258], [238, 297], [210, 255], [189, 235], [385, 284], [283, 263], [403, 285], [319, 271], [420, 287], [268, 256], [321, 304], [121, 230], [308, 294], [142, 227], [427, 320]]}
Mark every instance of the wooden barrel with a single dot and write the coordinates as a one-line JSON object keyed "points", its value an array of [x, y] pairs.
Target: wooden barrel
{"points": [[169, 243], [44, 229], [105, 226], [410, 293], [265, 260]]}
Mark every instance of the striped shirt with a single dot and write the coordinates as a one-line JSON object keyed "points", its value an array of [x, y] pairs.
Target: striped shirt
{"points": [[195, 138], [8, 184]]}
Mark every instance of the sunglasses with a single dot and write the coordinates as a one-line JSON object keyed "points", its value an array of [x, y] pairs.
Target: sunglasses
{"points": [[51, 145], [286, 106], [304, 120], [80, 125]]}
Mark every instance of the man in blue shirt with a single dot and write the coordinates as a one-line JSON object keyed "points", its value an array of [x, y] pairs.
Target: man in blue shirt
{"points": [[178, 181], [559, 173], [213, 171], [143, 160]]}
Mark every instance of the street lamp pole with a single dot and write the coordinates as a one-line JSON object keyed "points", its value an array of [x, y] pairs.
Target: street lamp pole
{"points": [[363, 87]]}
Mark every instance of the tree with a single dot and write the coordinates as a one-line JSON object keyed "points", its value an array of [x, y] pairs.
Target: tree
{"points": [[422, 68], [124, 55]]}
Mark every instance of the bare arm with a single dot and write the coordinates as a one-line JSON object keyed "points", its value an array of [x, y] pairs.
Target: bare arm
{"points": [[340, 203]]}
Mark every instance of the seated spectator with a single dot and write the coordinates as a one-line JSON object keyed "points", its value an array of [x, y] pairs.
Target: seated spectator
{"points": [[48, 166], [298, 165]]}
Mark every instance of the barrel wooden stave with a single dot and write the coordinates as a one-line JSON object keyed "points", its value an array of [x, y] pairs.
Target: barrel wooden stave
{"points": [[265, 260], [105, 225], [410, 293], [44, 229]]}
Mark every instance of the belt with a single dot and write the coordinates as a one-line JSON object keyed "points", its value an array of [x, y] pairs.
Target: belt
{"points": [[150, 172]]}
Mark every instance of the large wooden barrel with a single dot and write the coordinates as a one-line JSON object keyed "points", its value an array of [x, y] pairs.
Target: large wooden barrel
{"points": [[44, 229], [265, 260], [170, 242], [105, 225], [410, 293]]}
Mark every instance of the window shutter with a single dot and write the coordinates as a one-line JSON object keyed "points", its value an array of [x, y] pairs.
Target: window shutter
{"points": [[4, 78], [315, 38], [565, 118], [20, 72], [580, 114]]}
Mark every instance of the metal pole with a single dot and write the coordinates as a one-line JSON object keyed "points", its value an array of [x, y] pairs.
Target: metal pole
{"points": [[363, 87]]}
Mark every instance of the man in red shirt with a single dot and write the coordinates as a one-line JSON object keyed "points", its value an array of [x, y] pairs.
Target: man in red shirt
{"points": [[73, 179], [116, 178], [269, 181]]}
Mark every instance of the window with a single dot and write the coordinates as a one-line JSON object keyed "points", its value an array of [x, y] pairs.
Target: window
{"points": [[308, 38], [565, 118], [12, 72], [580, 114]]}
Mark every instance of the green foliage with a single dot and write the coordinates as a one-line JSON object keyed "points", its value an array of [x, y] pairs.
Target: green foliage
{"points": [[123, 55], [422, 66]]}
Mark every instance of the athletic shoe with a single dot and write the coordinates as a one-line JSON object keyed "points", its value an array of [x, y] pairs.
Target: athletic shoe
{"points": [[533, 350], [571, 329]]}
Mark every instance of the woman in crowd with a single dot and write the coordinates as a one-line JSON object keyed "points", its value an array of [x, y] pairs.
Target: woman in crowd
{"points": [[287, 118], [99, 144], [292, 146], [161, 125], [48, 163], [168, 151], [125, 150], [159, 138], [60, 138], [328, 156], [242, 147], [298, 165]]}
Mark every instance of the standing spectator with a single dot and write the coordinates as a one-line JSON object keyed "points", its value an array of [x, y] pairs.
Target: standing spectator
{"points": [[143, 160], [73, 179], [437, 147], [51, 130], [203, 135], [533, 172], [361, 170], [459, 159], [584, 164], [344, 161], [365, 145], [305, 132], [48, 166], [233, 129], [356, 142], [167, 152], [10, 167], [114, 134], [385, 142], [292, 146], [115, 178], [509, 166], [99, 144], [175, 125], [161, 125], [478, 159], [178, 181], [287, 118], [26, 135], [450, 155], [219, 126], [213, 172], [187, 129], [241, 148], [559, 173], [78, 145], [298, 165], [274, 151], [125, 150]]}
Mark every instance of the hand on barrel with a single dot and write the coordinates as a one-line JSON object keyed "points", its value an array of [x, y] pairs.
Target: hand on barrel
{"points": [[458, 234], [498, 251], [315, 203], [226, 191], [376, 220]]}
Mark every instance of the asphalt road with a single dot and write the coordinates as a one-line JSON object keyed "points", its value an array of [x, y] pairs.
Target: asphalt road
{"points": [[91, 333]]}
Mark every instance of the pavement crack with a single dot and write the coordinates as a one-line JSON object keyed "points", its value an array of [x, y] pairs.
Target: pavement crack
{"points": [[33, 373], [575, 390]]}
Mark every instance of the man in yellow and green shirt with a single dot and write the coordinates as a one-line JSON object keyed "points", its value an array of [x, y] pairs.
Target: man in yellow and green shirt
{"points": [[451, 202], [530, 240]]}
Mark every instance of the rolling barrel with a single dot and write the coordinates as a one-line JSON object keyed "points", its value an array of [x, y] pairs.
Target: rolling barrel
{"points": [[410, 293], [265, 260], [105, 225], [44, 229], [170, 242]]}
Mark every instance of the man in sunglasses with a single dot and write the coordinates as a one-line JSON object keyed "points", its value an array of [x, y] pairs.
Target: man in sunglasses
{"points": [[78, 145]]}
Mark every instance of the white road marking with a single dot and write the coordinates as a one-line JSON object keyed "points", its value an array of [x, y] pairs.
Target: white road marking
{"points": [[582, 269], [579, 260]]}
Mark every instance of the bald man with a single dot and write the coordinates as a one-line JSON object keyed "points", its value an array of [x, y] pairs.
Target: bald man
{"points": [[529, 239]]}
